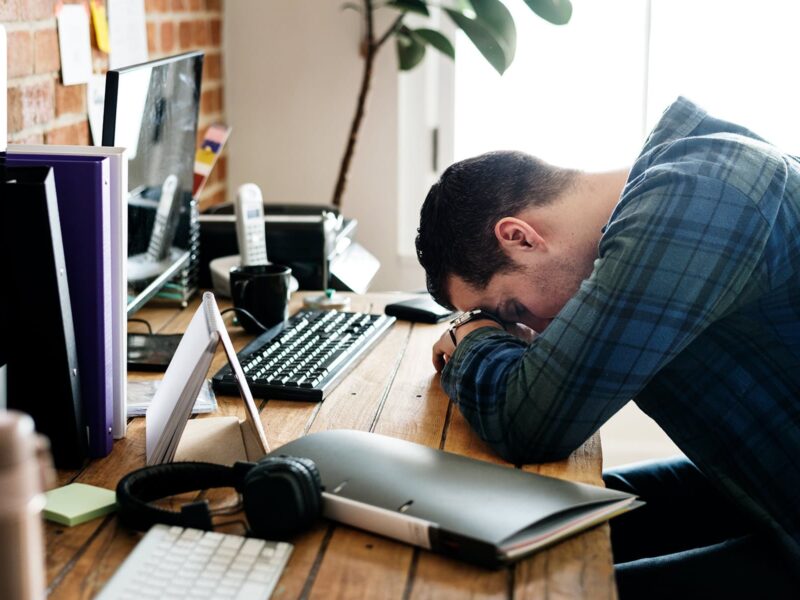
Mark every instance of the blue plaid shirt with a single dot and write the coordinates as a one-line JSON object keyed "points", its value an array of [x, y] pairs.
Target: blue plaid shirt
{"points": [[692, 310]]}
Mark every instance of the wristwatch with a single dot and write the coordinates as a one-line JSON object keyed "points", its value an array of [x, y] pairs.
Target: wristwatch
{"points": [[471, 315]]}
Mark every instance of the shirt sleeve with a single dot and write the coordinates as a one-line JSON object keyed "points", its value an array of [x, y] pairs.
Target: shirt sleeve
{"points": [[679, 252]]}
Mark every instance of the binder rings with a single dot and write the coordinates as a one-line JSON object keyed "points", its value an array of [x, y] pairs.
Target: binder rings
{"points": [[43, 377], [82, 188], [476, 511]]}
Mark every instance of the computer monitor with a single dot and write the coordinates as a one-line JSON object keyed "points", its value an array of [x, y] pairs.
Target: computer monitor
{"points": [[152, 110]]}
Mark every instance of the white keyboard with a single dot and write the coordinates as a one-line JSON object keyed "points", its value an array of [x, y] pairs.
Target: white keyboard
{"points": [[174, 562]]}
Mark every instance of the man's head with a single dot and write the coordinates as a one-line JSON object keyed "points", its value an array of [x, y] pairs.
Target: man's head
{"points": [[507, 232]]}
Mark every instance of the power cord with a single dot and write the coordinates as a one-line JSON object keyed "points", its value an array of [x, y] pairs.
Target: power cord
{"points": [[147, 323], [245, 313]]}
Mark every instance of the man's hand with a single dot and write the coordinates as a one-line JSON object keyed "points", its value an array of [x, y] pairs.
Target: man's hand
{"points": [[443, 349]]}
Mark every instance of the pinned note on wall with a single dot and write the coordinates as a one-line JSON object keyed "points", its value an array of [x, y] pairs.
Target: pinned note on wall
{"points": [[127, 33], [74, 43], [100, 22]]}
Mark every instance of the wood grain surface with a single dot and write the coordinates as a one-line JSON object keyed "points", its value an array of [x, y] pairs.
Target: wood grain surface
{"points": [[393, 391]]}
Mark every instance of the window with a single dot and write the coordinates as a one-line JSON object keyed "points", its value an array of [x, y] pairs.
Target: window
{"points": [[586, 94]]}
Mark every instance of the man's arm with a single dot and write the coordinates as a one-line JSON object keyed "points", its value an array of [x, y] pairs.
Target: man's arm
{"points": [[672, 262]]}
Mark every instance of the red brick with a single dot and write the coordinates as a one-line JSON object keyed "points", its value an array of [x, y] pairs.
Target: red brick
{"points": [[30, 104], [185, 34], [151, 6], [152, 42], [99, 61], [196, 5], [200, 32], [41, 9], [212, 67], [213, 5], [179, 5], [20, 53], [46, 56], [12, 10], [211, 101], [77, 133], [70, 99], [167, 36], [216, 32]]}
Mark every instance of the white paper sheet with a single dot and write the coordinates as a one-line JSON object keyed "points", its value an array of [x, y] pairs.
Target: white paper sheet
{"points": [[95, 102], [74, 44], [127, 33]]}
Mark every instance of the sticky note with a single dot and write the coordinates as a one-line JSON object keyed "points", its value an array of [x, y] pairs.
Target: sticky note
{"points": [[77, 503], [100, 25]]}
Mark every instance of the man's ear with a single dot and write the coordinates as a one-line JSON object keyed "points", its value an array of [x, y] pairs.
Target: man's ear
{"points": [[515, 235]]}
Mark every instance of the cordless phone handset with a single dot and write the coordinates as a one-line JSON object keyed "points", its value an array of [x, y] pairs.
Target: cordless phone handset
{"points": [[250, 225], [159, 244]]}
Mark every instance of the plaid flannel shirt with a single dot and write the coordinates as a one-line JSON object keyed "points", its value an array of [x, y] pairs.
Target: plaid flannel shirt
{"points": [[692, 310]]}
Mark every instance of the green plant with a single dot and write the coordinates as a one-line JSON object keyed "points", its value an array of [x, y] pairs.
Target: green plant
{"points": [[487, 23]]}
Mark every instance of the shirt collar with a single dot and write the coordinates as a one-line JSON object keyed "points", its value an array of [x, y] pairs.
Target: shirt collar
{"points": [[680, 119]]}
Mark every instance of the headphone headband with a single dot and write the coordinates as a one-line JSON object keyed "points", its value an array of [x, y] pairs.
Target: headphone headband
{"points": [[139, 487]]}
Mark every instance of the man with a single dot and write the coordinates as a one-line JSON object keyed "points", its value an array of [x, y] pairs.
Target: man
{"points": [[675, 284]]}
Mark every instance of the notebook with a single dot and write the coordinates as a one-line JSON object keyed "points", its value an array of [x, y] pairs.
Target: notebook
{"points": [[82, 188], [43, 378]]}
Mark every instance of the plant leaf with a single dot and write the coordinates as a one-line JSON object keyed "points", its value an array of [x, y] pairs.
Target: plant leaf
{"points": [[437, 40], [495, 16], [410, 51], [412, 6], [557, 12], [483, 38]]}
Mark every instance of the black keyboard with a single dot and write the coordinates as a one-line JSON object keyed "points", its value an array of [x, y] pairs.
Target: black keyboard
{"points": [[305, 358]]}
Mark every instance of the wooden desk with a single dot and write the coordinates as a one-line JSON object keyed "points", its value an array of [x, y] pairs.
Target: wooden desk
{"points": [[393, 391]]}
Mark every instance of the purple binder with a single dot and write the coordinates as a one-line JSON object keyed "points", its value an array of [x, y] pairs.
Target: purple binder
{"points": [[82, 187]]}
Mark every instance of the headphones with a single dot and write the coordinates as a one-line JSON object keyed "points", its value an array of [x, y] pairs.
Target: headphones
{"points": [[281, 495]]}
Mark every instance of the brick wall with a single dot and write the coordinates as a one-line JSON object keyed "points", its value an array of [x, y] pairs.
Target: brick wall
{"points": [[41, 110]]}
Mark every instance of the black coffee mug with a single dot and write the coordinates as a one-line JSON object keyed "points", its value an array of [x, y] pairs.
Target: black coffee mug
{"points": [[263, 291]]}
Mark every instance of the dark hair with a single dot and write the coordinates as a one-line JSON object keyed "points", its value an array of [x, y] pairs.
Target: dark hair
{"points": [[456, 222]]}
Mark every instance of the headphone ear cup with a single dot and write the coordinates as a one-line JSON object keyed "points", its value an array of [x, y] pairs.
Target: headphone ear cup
{"points": [[281, 497]]}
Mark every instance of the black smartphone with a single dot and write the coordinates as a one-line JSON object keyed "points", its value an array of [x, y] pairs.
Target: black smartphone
{"points": [[151, 352], [421, 309]]}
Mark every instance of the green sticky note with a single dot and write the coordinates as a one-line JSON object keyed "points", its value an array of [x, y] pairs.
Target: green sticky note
{"points": [[77, 503]]}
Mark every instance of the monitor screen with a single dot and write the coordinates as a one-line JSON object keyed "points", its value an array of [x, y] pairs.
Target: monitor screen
{"points": [[152, 110]]}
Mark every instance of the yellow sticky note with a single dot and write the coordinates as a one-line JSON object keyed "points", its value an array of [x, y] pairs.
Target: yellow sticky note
{"points": [[100, 25]]}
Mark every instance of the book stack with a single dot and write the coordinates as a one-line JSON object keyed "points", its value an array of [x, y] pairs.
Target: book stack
{"points": [[90, 198]]}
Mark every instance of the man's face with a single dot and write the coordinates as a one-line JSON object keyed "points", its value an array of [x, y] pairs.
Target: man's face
{"points": [[532, 295]]}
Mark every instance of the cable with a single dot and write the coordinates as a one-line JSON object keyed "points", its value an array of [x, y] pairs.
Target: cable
{"points": [[246, 313], [149, 329]]}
